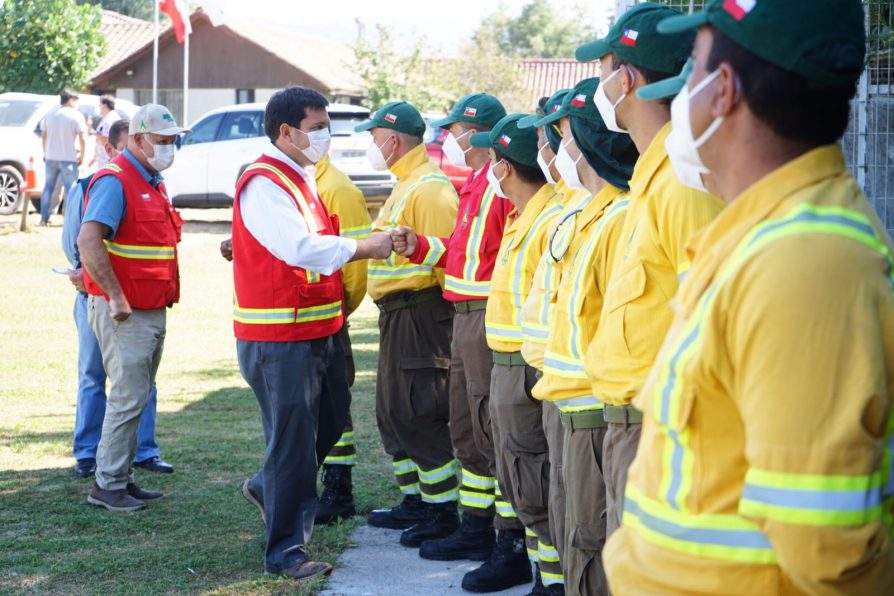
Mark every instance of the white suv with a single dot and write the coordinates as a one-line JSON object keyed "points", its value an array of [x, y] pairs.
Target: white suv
{"points": [[21, 115], [225, 141]]}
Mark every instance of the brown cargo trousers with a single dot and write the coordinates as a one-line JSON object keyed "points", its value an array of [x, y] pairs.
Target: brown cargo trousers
{"points": [[555, 438], [585, 512], [412, 401], [619, 449], [470, 425], [523, 460], [345, 453]]}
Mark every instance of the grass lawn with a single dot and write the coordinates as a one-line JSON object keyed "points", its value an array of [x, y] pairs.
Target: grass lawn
{"points": [[203, 537]]}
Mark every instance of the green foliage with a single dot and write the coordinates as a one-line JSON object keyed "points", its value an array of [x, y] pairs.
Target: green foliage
{"points": [[538, 32], [141, 9], [48, 45]]}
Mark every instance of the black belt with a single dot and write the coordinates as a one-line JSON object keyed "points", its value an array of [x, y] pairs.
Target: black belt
{"points": [[623, 415], [407, 299], [466, 306], [509, 359], [583, 420]]}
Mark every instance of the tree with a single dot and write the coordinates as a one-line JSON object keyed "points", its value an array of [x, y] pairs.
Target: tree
{"points": [[140, 9], [538, 32], [48, 45]]}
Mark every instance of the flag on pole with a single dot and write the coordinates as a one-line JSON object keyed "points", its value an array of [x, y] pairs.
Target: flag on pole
{"points": [[178, 12]]}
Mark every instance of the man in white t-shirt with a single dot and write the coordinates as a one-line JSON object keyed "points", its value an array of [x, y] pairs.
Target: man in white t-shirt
{"points": [[60, 131], [108, 117]]}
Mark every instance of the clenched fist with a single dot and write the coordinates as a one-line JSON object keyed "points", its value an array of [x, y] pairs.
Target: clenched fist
{"points": [[379, 245], [226, 249], [404, 241]]}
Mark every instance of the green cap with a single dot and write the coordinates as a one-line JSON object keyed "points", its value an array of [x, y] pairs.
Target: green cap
{"points": [[397, 115], [579, 103], [477, 108], [668, 87], [518, 144], [552, 111], [635, 38], [822, 40]]}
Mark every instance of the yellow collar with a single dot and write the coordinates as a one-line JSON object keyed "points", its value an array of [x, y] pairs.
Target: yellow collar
{"points": [[649, 162], [404, 167]]}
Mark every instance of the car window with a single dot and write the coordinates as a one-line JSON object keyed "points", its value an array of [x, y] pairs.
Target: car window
{"points": [[342, 125], [16, 112], [204, 131], [242, 125]]}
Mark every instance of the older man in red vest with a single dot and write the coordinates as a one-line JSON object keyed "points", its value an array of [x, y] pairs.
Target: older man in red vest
{"points": [[128, 245]]}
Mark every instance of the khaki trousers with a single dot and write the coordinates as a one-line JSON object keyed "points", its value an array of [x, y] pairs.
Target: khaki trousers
{"points": [[619, 449], [131, 353]]}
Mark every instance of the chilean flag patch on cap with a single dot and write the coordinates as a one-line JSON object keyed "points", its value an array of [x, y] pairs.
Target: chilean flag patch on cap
{"points": [[579, 101], [739, 9], [504, 140], [556, 107], [470, 112], [390, 118], [629, 37]]}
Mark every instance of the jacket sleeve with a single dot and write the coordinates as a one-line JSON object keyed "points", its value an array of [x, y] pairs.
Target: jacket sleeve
{"points": [[810, 349]]}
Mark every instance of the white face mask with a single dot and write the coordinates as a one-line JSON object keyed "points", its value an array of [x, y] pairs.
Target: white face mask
{"points": [[162, 158], [606, 107], [568, 167], [682, 147], [494, 182], [544, 167], [320, 140], [453, 151], [374, 155]]}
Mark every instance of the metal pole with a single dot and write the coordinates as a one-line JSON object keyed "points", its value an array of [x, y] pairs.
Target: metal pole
{"points": [[155, 58], [185, 120]]}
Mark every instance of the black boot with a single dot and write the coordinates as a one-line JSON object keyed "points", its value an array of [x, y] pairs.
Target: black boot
{"points": [[408, 513], [541, 590], [474, 541], [441, 522], [507, 566], [337, 500]]}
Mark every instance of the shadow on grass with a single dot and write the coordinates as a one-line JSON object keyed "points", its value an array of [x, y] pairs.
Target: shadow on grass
{"points": [[202, 537]]}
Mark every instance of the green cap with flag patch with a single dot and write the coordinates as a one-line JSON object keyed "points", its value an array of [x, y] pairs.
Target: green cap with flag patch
{"points": [[518, 144], [397, 115], [822, 40], [478, 108], [667, 87], [156, 119], [635, 39], [552, 106]]}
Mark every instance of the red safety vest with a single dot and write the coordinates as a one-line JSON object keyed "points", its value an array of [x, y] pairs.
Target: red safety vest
{"points": [[273, 300], [144, 251]]}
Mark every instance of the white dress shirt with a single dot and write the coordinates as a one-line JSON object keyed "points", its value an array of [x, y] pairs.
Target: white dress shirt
{"points": [[272, 218]]}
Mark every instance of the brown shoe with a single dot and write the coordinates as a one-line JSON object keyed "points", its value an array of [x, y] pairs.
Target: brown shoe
{"points": [[306, 569], [253, 498], [118, 501], [143, 494]]}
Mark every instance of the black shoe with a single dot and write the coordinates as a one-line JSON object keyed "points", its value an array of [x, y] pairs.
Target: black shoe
{"points": [[473, 541], [408, 513], [442, 521], [508, 566], [337, 500], [85, 468], [254, 498], [155, 464], [143, 494], [541, 590]]}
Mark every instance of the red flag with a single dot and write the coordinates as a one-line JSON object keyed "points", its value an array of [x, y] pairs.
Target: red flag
{"points": [[178, 12], [739, 9]]}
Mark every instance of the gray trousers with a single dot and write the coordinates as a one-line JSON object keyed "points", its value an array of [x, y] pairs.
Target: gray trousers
{"points": [[131, 353], [303, 394]]}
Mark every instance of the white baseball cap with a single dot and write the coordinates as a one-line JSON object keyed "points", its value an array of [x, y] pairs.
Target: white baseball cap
{"points": [[156, 119]]}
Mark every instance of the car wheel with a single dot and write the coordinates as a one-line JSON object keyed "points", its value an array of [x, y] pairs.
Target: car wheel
{"points": [[11, 193]]}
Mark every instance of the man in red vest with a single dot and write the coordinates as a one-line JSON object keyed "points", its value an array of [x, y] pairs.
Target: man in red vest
{"points": [[287, 256], [128, 246]]}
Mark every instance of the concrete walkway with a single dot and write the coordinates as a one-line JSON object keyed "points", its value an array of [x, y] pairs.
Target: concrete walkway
{"points": [[377, 565]]}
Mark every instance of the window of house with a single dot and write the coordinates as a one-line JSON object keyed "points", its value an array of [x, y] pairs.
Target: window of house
{"points": [[245, 95]]}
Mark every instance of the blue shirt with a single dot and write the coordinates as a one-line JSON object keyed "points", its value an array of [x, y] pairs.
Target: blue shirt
{"points": [[71, 227], [107, 202]]}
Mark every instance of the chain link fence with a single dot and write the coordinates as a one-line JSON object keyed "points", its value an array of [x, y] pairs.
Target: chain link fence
{"points": [[867, 143]]}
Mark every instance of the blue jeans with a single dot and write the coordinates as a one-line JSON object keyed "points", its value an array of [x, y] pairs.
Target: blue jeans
{"points": [[91, 408], [69, 172]]}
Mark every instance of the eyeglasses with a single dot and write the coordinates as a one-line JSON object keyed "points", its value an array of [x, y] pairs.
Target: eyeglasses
{"points": [[560, 241]]}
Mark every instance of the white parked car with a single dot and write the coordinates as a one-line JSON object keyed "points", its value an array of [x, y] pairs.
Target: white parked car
{"points": [[225, 141], [21, 116]]}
